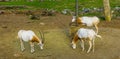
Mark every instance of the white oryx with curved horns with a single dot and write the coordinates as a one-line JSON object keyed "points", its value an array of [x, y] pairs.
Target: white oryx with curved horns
{"points": [[88, 21], [29, 36], [85, 35]]}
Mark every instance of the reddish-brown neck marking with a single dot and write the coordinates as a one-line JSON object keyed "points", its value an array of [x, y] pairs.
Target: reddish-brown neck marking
{"points": [[79, 20], [75, 39], [35, 39]]}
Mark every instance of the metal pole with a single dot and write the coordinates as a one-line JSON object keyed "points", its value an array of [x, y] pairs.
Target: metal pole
{"points": [[76, 10]]}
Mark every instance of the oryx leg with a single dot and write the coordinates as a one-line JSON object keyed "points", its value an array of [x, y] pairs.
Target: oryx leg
{"points": [[93, 45], [82, 44], [32, 47], [90, 46], [22, 45]]}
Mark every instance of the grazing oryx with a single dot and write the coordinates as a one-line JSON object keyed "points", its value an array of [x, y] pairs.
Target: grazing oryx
{"points": [[85, 35], [88, 21], [29, 36]]}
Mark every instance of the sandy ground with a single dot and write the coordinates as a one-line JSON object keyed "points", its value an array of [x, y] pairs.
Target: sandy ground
{"points": [[57, 43]]}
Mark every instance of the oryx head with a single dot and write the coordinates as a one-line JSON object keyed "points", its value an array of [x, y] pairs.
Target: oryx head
{"points": [[41, 43]]}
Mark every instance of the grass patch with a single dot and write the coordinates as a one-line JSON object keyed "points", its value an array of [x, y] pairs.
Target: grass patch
{"points": [[59, 5], [66, 4]]}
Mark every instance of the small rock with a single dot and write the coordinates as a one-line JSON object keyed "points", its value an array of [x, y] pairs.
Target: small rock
{"points": [[17, 55], [42, 23]]}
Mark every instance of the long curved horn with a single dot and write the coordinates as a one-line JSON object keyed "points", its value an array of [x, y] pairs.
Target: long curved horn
{"points": [[42, 36]]}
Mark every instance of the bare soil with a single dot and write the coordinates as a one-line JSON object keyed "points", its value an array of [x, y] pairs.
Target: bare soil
{"points": [[57, 43]]}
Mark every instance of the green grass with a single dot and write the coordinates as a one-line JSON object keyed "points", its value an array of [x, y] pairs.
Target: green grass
{"points": [[66, 4], [59, 5]]}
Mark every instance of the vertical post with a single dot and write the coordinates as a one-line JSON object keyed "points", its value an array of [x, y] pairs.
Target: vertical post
{"points": [[107, 10], [76, 10], [73, 28]]}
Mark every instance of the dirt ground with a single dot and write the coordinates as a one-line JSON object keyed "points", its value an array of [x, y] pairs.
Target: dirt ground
{"points": [[57, 44]]}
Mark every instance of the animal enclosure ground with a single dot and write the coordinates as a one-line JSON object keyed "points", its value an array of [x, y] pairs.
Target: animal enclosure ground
{"points": [[57, 43]]}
